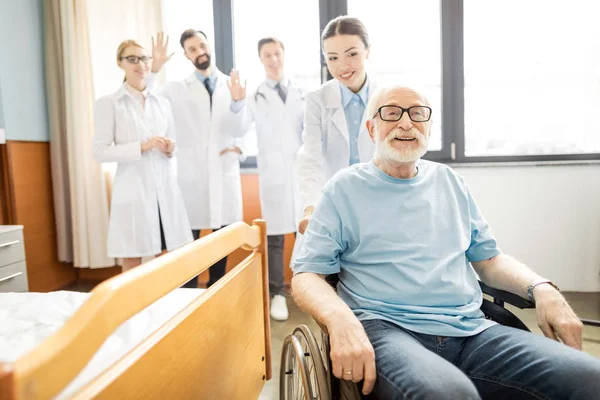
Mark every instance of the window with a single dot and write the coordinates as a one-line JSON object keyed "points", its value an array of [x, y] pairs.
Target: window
{"points": [[178, 16], [296, 24], [532, 77], [111, 22], [405, 48], [138, 20]]}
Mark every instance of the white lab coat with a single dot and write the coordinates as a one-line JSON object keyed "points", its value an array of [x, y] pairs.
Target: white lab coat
{"points": [[279, 137], [143, 182], [210, 183], [326, 147]]}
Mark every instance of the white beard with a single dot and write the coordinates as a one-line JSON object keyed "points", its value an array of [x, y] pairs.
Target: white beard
{"points": [[386, 152]]}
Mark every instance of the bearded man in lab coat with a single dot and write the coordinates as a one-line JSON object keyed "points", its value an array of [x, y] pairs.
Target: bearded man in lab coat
{"points": [[209, 118]]}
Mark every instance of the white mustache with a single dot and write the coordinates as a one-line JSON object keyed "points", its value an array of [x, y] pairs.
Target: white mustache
{"points": [[412, 133]]}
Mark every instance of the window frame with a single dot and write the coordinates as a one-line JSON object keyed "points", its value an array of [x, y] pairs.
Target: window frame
{"points": [[452, 81]]}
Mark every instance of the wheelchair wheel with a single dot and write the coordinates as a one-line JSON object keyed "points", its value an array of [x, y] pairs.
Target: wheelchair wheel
{"points": [[303, 375], [324, 347]]}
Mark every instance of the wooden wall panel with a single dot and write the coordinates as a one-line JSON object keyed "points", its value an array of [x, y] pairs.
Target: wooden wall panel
{"points": [[30, 182], [6, 200], [97, 274], [27, 200], [251, 211], [251, 203]]}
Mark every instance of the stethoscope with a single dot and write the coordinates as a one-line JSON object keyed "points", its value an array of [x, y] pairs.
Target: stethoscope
{"points": [[257, 94]]}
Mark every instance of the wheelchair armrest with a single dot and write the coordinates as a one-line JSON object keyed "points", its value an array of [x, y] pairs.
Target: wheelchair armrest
{"points": [[502, 296]]}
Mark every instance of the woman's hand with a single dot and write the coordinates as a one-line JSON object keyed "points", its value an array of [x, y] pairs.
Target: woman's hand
{"points": [[155, 142], [303, 224], [170, 147], [160, 51], [230, 149]]}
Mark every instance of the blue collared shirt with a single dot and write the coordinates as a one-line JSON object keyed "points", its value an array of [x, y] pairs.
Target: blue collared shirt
{"points": [[283, 83], [212, 79], [236, 106], [354, 107]]}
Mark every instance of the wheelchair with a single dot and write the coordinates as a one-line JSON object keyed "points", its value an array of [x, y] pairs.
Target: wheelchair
{"points": [[305, 372]]}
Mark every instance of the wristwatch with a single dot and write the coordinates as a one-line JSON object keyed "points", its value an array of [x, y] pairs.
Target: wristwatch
{"points": [[534, 283]]}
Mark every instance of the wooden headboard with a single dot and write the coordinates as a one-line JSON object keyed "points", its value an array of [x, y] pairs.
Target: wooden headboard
{"points": [[218, 347]]}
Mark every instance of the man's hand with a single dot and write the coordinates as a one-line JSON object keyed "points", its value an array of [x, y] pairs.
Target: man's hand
{"points": [[303, 224], [160, 51], [352, 355], [238, 92], [555, 317], [230, 149]]}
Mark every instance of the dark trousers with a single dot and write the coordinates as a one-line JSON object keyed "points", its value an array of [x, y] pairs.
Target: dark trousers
{"points": [[216, 272], [275, 244]]}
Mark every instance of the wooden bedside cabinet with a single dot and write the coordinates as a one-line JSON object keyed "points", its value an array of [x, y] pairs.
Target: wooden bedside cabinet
{"points": [[13, 270]]}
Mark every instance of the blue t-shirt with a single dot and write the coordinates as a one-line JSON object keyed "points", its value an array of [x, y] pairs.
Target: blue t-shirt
{"points": [[402, 247]]}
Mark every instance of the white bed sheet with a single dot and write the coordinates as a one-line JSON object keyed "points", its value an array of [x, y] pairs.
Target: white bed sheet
{"points": [[26, 319]]}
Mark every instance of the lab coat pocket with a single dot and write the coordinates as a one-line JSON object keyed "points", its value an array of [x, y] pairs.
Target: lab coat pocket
{"points": [[271, 171], [185, 170], [127, 130], [127, 185], [230, 164]]}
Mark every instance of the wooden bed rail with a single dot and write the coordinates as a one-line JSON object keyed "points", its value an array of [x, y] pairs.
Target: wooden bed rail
{"points": [[47, 369]]}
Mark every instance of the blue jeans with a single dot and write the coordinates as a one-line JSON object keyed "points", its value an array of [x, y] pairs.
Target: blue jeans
{"points": [[498, 363]]}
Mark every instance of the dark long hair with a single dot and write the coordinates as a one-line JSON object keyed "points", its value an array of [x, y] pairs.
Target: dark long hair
{"points": [[345, 25]]}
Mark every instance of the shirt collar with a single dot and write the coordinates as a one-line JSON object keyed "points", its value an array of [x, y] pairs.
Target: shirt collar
{"points": [[128, 90], [347, 94], [135, 93], [212, 78], [272, 83]]}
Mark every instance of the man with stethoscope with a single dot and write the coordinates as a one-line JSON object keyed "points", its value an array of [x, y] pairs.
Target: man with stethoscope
{"points": [[277, 109]]}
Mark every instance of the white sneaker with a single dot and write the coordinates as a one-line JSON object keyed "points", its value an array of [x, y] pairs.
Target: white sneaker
{"points": [[279, 310]]}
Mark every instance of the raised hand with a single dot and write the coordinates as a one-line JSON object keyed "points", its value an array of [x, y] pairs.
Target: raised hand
{"points": [[160, 52], [238, 92]]}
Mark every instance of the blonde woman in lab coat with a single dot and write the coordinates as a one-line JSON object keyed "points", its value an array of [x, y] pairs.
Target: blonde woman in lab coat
{"points": [[277, 109], [335, 135], [135, 128]]}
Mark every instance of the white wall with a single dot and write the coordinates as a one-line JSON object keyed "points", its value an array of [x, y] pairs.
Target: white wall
{"points": [[546, 216]]}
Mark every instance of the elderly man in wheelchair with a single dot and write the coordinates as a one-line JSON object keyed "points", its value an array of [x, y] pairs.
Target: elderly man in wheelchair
{"points": [[408, 243]]}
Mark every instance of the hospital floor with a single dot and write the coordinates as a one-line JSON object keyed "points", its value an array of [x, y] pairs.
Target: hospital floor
{"points": [[586, 305]]}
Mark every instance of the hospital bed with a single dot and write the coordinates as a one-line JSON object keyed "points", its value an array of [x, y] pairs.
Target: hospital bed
{"points": [[138, 336]]}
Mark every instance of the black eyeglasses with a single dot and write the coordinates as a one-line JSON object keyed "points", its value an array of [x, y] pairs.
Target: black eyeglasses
{"points": [[395, 113], [136, 59]]}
